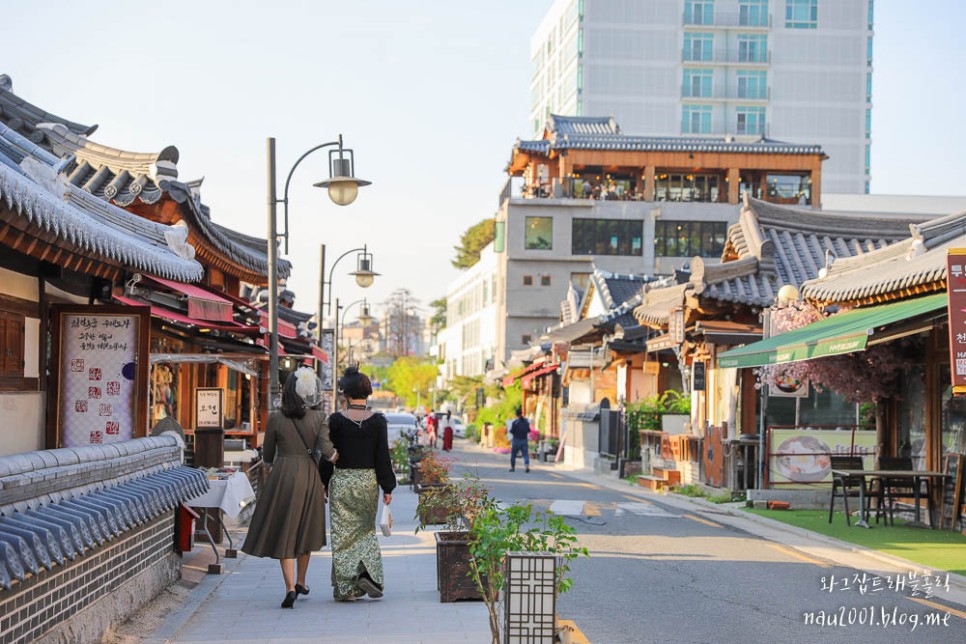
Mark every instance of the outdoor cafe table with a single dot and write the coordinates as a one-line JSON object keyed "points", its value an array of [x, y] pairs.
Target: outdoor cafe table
{"points": [[228, 493], [915, 476]]}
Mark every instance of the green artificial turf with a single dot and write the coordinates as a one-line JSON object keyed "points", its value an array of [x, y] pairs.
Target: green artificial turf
{"points": [[935, 549]]}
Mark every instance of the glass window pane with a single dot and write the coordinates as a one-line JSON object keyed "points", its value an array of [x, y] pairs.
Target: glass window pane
{"points": [[539, 233]]}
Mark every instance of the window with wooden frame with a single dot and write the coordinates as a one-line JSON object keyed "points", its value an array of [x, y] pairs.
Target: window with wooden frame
{"points": [[11, 350]]}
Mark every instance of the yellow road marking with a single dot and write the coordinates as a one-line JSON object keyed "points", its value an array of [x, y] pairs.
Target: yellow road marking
{"points": [[704, 521], [952, 611], [798, 555], [589, 486], [576, 635]]}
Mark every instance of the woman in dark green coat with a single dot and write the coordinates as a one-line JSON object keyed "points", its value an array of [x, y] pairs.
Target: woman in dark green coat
{"points": [[289, 519]]}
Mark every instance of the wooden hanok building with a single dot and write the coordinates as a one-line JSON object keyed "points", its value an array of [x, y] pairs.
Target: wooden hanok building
{"points": [[589, 157], [892, 298], [721, 306], [204, 334]]}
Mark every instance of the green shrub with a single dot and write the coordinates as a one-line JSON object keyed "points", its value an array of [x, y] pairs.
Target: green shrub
{"points": [[690, 489]]}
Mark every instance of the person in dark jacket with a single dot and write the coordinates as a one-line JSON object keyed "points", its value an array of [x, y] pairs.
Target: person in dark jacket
{"points": [[364, 466], [520, 431], [289, 519]]}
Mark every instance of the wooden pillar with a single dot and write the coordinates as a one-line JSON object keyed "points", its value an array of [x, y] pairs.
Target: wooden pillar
{"points": [[734, 185], [649, 183], [816, 177]]}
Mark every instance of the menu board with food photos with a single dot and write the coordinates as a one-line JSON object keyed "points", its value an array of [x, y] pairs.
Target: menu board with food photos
{"points": [[800, 457], [100, 374]]}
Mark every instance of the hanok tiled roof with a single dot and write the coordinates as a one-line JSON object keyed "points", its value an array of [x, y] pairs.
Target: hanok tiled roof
{"points": [[111, 174], [775, 245], [916, 264], [658, 302], [31, 187], [561, 125], [615, 288], [123, 177], [597, 133], [23, 117]]}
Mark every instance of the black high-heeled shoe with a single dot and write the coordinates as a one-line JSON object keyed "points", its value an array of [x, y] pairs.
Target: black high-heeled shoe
{"points": [[289, 601], [301, 590]]}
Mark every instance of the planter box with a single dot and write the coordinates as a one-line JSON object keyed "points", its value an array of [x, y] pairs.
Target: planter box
{"points": [[453, 578]]}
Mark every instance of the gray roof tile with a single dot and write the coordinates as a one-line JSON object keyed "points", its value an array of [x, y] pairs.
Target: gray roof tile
{"points": [[83, 223]]}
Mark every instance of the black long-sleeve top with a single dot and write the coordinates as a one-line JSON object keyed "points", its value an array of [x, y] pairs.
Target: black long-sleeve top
{"points": [[361, 447]]}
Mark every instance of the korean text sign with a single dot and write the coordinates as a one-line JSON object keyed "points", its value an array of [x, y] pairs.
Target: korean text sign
{"points": [[956, 287], [98, 360]]}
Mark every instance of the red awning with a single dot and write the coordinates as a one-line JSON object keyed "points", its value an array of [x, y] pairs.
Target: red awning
{"points": [[529, 372], [319, 353], [174, 316], [525, 381], [202, 304], [285, 329]]}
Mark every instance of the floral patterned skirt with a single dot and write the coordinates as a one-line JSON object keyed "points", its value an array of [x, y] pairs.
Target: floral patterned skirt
{"points": [[353, 502]]}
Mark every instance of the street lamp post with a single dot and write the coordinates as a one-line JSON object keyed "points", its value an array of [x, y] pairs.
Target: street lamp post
{"points": [[343, 188], [364, 317], [364, 278]]}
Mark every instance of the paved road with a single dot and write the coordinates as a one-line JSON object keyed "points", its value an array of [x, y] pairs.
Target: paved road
{"points": [[663, 570]]}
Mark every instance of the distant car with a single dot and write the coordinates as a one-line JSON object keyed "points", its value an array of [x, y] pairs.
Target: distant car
{"points": [[398, 423], [459, 429]]}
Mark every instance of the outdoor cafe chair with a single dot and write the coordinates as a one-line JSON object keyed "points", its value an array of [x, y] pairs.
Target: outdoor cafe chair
{"points": [[891, 489], [846, 486]]}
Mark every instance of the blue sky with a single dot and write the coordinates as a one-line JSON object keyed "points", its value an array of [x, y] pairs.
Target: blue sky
{"points": [[430, 94]]}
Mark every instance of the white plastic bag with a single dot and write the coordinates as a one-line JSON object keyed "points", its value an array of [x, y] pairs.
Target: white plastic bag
{"points": [[385, 521]]}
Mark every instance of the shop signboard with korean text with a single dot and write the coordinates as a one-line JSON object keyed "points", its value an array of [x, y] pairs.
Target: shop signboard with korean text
{"points": [[956, 287], [99, 373], [209, 408]]}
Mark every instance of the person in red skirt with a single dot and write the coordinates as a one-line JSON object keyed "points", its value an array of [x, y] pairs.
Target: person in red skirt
{"points": [[448, 432], [431, 426]]}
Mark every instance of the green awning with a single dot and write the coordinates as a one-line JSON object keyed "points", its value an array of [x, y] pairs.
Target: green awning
{"points": [[842, 333]]}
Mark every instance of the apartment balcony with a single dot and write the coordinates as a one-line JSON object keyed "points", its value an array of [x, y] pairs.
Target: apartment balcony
{"points": [[728, 20], [727, 94], [727, 57]]}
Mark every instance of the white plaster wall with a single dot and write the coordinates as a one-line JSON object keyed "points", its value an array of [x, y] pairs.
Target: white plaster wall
{"points": [[22, 425]]}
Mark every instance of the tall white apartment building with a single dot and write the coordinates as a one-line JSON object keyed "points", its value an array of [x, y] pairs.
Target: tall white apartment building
{"points": [[468, 343], [798, 71]]}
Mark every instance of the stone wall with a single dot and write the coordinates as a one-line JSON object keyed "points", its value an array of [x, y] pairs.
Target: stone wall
{"points": [[87, 535]]}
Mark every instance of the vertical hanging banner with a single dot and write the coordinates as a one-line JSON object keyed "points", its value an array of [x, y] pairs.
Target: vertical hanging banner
{"points": [[327, 369], [99, 371], [956, 291]]}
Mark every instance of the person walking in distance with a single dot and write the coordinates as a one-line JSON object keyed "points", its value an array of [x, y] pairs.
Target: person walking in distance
{"points": [[520, 431]]}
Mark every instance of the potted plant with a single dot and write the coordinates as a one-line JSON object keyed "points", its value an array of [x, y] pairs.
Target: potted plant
{"points": [[432, 484], [494, 531], [456, 506]]}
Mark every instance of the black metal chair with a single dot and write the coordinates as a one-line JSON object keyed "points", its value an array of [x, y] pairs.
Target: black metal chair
{"points": [[891, 489], [846, 486]]}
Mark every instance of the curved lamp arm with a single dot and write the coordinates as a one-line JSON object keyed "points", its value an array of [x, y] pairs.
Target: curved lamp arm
{"points": [[288, 180], [322, 283]]}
